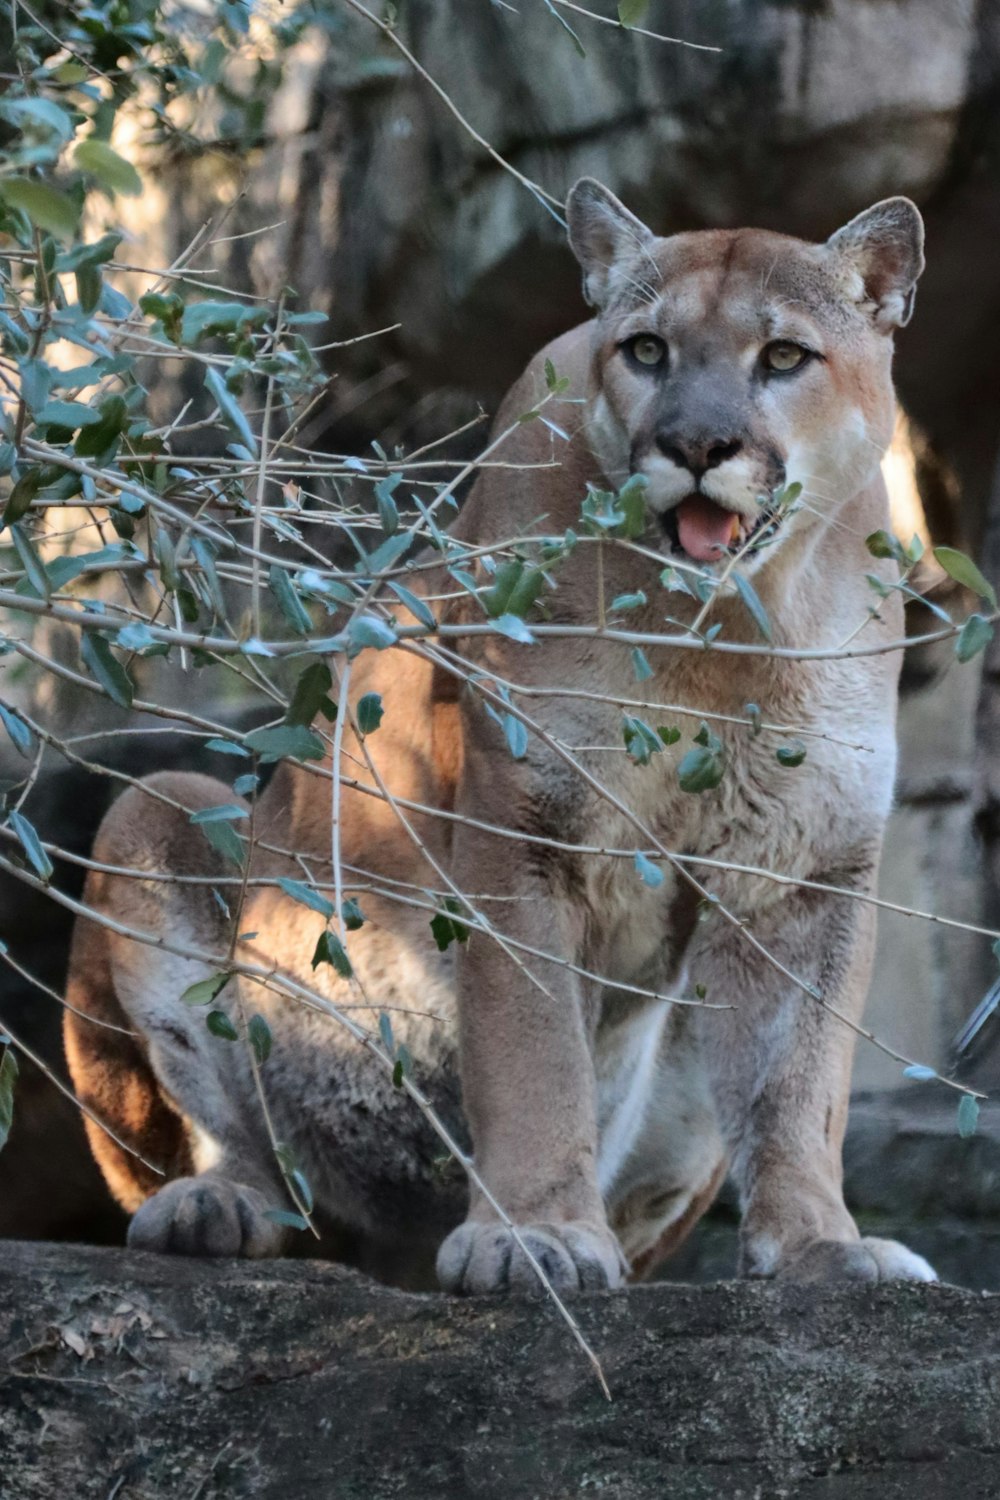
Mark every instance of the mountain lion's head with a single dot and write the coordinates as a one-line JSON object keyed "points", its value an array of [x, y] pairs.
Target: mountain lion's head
{"points": [[728, 364]]}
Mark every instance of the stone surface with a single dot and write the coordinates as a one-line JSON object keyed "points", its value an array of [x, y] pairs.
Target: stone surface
{"points": [[147, 1378]]}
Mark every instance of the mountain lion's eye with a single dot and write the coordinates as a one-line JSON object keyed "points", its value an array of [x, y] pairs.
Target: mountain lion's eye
{"points": [[648, 350], [783, 357]]}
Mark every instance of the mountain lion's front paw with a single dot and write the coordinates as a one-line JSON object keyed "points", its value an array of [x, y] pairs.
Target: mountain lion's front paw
{"points": [[486, 1258], [206, 1216], [857, 1260]]}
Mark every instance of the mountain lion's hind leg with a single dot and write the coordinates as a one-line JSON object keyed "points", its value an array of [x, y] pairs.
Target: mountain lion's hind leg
{"points": [[144, 1061]]}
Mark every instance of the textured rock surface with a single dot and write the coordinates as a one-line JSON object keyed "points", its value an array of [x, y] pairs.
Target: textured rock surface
{"points": [[143, 1377]]}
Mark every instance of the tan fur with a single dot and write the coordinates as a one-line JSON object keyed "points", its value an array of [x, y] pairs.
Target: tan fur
{"points": [[602, 1121]]}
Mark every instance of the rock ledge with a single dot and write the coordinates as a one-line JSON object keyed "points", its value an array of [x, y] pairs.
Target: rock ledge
{"points": [[137, 1376]]}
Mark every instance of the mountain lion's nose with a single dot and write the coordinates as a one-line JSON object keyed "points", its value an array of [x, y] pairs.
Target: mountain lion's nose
{"points": [[697, 454]]}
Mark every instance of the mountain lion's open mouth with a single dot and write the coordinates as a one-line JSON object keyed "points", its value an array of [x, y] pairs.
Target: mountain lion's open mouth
{"points": [[707, 531]]}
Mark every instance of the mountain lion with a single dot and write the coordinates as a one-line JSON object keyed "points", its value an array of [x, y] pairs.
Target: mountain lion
{"points": [[726, 367]]}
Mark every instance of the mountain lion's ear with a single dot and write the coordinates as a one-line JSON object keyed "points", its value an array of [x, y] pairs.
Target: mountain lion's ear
{"points": [[885, 244], [601, 233]]}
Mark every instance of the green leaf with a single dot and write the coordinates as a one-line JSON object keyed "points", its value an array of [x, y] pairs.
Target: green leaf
{"points": [[975, 634], [668, 733], [304, 1190], [516, 735], [36, 382], [111, 170], [640, 664], [445, 930], [369, 630], [38, 116], [385, 1032], [417, 606], [884, 544], [96, 440], [17, 729], [221, 1026], [225, 812], [702, 768], [225, 841], [70, 414], [204, 991], [260, 1039], [34, 570], [232, 413], [631, 12], [388, 514], [403, 1066], [964, 571], [8, 1078], [163, 551], [204, 552], [968, 1116], [32, 845], [107, 669], [97, 253], [387, 554], [632, 501], [289, 603], [515, 589], [622, 515], [525, 591], [222, 747], [514, 628], [89, 287], [168, 308], [204, 319], [330, 950], [651, 874], [792, 754], [293, 740], [20, 498], [307, 895], [46, 208], [286, 1218], [310, 695], [751, 599], [352, 914], [135, 637], [641, 742], [627, 601], [369, 712]]}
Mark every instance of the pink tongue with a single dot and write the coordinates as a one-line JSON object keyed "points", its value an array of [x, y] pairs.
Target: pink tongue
{"points": [[705, 529]]}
